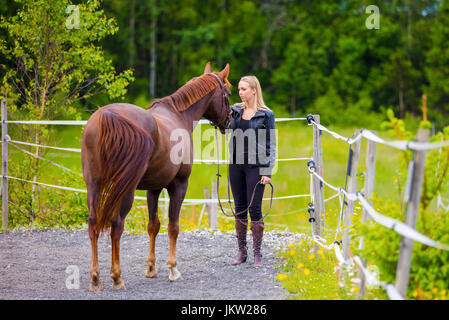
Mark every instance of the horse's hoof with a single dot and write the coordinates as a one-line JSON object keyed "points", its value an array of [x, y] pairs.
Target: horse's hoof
{"points": [[118, 285], [174, 275], [151, 272], [95, 286]]}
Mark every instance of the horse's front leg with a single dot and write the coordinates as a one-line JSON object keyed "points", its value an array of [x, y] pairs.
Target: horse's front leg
{"points": [[177, 192], [153, 229]]}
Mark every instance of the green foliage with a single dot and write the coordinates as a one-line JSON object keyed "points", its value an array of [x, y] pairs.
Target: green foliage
{"points": [[437, 160], [53, 208], [429, 273], [52, 59]]}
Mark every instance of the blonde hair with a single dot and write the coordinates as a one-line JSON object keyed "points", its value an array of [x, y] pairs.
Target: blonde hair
{"points": [[254, 84]]}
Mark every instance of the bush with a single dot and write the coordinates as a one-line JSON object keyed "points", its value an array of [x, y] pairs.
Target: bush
{"points": [[334, 111], [429, 273]]}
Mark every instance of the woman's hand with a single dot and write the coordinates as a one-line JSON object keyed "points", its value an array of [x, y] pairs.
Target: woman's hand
{"points": [[265, 180]]}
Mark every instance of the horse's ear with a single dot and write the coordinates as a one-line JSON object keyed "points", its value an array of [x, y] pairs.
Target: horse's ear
{"points": [[225, 72], [207, 68]]}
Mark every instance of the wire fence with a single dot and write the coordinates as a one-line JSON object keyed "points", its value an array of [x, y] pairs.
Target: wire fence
{"points": [[401, 228], [345, 261]]}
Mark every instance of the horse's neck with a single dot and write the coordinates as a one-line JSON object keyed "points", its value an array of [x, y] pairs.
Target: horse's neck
{"points": [[196, 111], [191, 116]]}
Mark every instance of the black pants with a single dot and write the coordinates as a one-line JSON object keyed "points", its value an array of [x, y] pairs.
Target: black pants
{"points": [[243, 179]]}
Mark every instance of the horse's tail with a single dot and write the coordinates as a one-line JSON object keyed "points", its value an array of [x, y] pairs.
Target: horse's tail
{"points": [[123, 148]]}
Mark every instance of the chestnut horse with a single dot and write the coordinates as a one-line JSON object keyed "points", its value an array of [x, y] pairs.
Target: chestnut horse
{"points": [[125, 148]]}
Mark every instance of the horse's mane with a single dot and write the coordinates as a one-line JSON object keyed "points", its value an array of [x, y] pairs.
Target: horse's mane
{"points": [[188, 94]]}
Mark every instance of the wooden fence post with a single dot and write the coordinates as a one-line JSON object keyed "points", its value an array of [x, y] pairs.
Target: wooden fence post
{"points": [[213, 206], [416, 170], [208, 204], [353, 163], [5, 197], [370, 175], [318, 187]]}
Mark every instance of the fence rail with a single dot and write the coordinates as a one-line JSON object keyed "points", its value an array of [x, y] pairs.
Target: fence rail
{"points": [[6, 139]]}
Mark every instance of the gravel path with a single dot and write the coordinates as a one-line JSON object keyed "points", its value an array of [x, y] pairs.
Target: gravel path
{"points": [[33, 266]]}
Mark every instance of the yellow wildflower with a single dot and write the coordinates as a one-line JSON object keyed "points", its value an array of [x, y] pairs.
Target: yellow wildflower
{"points": [[292, 252], [306, 271], [443, 292], [291, 245], [300, 266], [311, 256], [434, 290], [320, 252], [415, 293], [355, 289], [282, 276]]}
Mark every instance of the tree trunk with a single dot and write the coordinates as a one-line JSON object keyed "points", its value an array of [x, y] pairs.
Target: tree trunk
{"points": [[132, 36], [293, 100], [153, 53], [401, 98]]}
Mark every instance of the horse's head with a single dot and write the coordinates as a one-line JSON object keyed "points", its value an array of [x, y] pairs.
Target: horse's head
{"points": [[218, 111]]}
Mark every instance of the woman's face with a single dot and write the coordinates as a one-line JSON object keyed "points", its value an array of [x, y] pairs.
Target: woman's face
{"points": [[246, 93]]}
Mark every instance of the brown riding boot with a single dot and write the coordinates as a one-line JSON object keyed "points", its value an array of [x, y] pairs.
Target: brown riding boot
{"points": [[241, 227], [257, 231]]}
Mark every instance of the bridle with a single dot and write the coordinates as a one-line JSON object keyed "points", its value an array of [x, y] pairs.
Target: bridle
{"points": [[225, 95]]}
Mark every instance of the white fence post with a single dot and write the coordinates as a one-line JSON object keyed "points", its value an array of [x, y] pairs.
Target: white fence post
{"points": [[318, 187], [368, 188], [213, 206], [5, 197], [353, 164], [413, 198]]}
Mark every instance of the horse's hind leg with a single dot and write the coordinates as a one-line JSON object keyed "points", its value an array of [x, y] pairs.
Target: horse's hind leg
{"points": [[153, 229], [117, 227], [92, 193]]}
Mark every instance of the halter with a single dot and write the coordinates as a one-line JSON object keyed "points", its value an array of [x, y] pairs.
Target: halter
{"points": [[224, 90]]}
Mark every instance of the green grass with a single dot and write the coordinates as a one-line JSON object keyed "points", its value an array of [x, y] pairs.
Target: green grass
{"points": [[310, 275]]}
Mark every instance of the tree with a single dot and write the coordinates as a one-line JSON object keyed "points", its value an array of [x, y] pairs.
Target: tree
{"points": [[437, 66], [51, 45]]}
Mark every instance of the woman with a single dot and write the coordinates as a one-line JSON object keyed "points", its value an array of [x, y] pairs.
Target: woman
{"points": [[252, 149]]}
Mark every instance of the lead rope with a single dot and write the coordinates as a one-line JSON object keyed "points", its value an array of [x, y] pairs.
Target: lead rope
{"points": [[229, 196]]}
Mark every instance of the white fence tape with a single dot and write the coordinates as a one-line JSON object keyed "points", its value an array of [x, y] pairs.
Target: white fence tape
{"points": [[194, 161], [388, 222], [399, 144], [404, 145], [55, 122], [83, 122], [399, 226], [42, 146], [41, 158], [186, 201]]}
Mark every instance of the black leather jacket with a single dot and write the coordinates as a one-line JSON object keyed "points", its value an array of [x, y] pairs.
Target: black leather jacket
{"points": [[262, 119]]}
